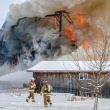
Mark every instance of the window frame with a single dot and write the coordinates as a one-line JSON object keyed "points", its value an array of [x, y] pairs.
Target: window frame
{"points": [[83, 76]]}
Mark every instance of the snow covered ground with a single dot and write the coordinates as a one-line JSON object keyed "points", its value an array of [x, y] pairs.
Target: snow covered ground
{"points": [[12, 102]]}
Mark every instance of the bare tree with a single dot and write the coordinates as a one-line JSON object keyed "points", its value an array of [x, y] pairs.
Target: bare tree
{"points": [[95, 59]]}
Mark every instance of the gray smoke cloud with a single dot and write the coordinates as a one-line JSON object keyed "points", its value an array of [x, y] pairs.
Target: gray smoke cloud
{"points": [[24, 39], [16, 44], [39, 8]]}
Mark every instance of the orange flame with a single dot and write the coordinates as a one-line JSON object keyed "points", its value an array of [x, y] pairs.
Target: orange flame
{"points": [[80, 19], [86, 46], [71, 30], [70, 34]]}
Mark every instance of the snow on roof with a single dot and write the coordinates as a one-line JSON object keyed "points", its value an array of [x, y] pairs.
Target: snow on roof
{"points": [[68, 66]]}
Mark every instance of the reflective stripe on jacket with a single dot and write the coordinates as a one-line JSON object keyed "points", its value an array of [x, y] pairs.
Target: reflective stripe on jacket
{"points": [[31, 85], [44, 88]]}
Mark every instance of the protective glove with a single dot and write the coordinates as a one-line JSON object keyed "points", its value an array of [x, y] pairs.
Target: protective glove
{"points": [[34, 87], [41, 93]]}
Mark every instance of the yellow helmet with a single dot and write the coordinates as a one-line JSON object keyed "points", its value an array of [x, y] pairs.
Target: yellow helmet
{"points": [[32, 79], [45, 82]]}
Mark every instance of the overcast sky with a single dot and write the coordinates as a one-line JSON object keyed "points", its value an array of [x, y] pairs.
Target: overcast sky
{"points": [[4, 8]]}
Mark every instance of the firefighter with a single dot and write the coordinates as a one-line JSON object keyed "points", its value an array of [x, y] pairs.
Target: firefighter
{"points": [[32, 86], [46, 90]]}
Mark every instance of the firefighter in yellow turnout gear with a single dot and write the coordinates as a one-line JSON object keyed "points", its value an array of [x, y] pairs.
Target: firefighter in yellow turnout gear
{"points": [[46, 90], [32, 87]]}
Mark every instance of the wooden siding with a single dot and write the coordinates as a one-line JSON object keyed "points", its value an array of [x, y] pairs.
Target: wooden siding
{"points": [[67, 82]]}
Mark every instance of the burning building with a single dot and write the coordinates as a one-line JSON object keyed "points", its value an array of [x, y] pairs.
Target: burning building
{"points": [[35, 26]]}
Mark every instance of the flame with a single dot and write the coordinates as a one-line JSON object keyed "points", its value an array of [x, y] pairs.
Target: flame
{"points": [[85, 45], [70, 34], [71, 30], [80, 19]]}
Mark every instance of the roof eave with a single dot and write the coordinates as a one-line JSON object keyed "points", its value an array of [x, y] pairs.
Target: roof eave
{"points": [[61, 71]]}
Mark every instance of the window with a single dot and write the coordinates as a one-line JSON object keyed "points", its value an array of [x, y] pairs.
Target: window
{"points": [[83, 76]]}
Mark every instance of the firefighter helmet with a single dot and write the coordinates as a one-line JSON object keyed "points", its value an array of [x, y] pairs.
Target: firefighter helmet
{"points": [[45, 82], [32, 79]]}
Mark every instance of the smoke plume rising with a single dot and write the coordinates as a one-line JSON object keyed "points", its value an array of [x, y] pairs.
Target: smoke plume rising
{"points": [[17, 43]]}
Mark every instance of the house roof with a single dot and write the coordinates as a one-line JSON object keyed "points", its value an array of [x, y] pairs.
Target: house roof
{"points": [[68, 66]]}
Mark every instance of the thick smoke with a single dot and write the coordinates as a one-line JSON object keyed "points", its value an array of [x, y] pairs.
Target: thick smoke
{"points": [[18, 45], [25, 45], [39, 8]]}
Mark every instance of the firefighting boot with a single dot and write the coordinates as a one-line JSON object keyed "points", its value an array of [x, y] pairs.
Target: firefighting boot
{"points": [[33, 100], [45, 105], [50, 103], [27, 100]]}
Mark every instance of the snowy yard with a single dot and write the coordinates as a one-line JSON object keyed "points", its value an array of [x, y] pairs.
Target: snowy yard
{"points": [[12, 102]]}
